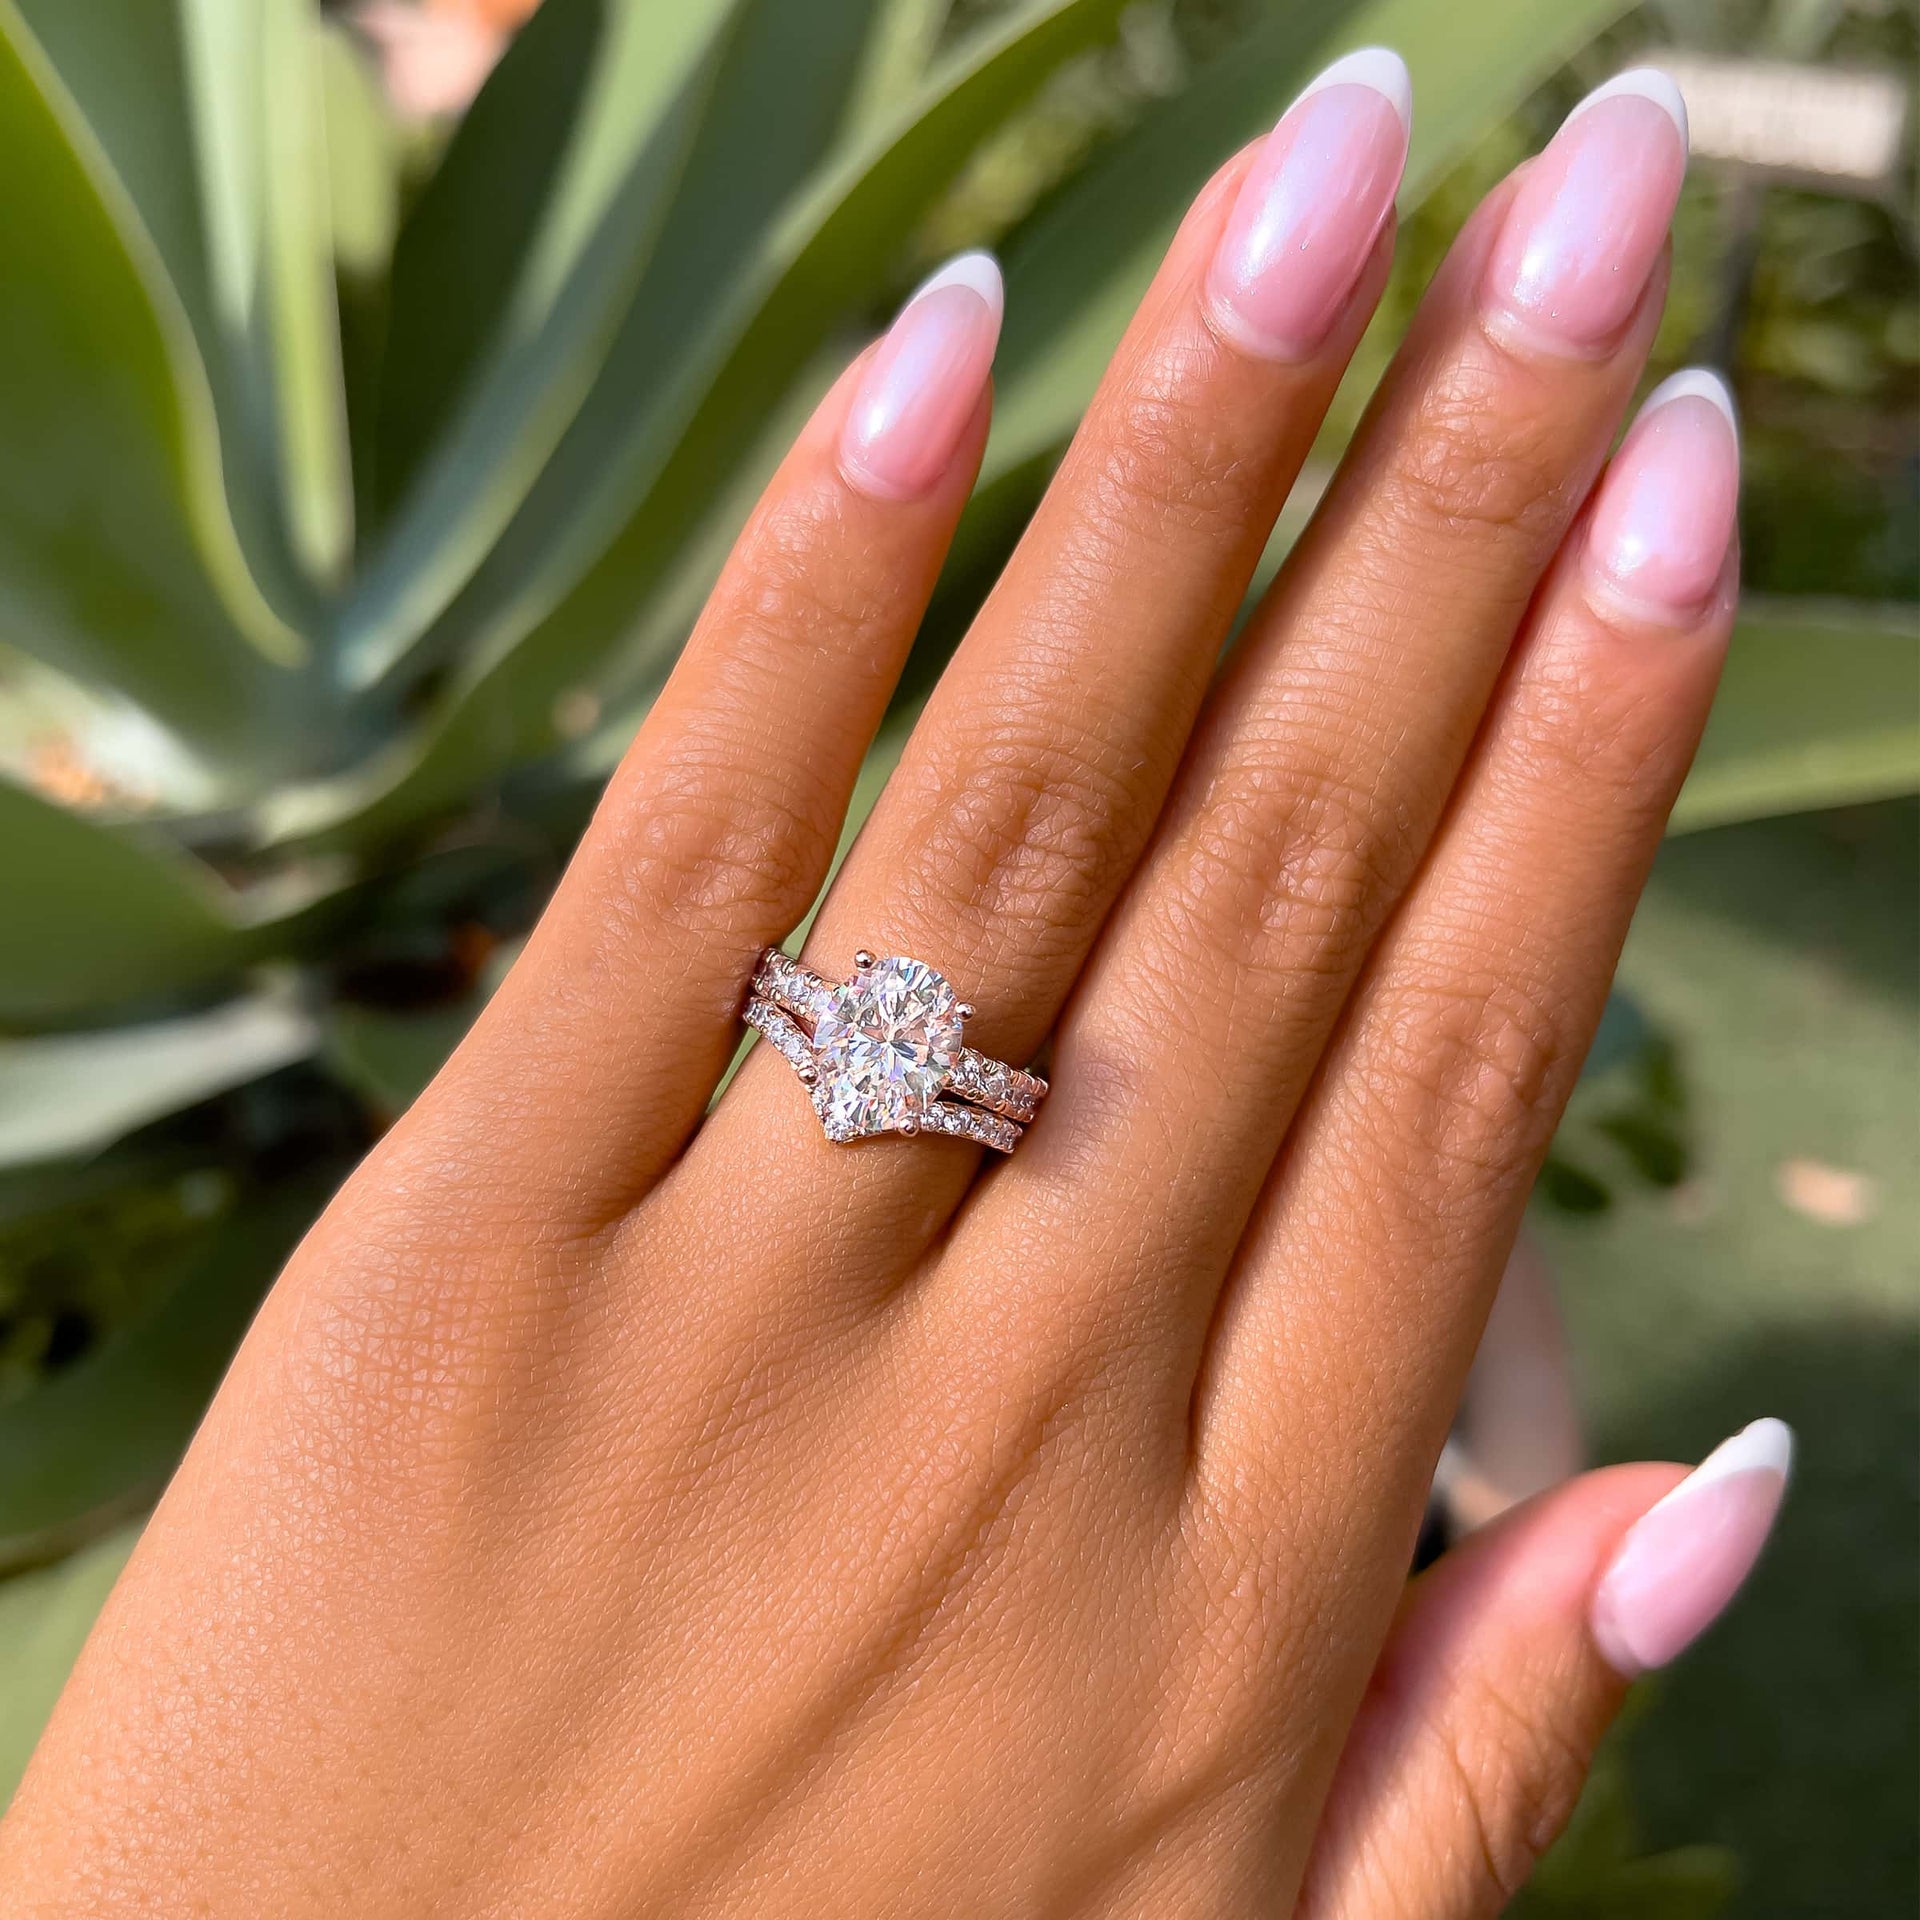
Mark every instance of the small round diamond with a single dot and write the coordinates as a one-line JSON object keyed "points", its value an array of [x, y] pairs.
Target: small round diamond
{"points": [[884, 1045]]}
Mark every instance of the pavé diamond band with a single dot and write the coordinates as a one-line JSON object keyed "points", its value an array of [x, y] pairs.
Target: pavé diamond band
{"points": [[885, 1053]]}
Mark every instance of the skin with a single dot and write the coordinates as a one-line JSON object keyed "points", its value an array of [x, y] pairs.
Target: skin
{"points": [[623, 1509]]}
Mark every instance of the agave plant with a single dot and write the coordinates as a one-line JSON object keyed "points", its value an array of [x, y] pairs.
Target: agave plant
{"points": [[355, 499]]}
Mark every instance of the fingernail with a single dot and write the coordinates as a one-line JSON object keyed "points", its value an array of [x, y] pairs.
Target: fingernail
{"points": [[1312, 206], [924, 381], [1665, 517], [1685, 1559], [1587, 224]]}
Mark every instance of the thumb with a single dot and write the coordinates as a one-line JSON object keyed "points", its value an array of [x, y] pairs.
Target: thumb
{"points": [[1507, 1663]]}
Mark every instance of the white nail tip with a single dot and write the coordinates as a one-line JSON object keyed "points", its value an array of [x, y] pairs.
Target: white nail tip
{"points": [[978, 270], [1764, 1447], [1693, 383], [1377, 67], [1649, 83]]}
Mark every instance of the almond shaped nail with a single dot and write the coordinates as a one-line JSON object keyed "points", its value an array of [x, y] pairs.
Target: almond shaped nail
{"points": [[1590, 217], [1683, 1560], [1312, 205], [1667, 508], [925, 379]]}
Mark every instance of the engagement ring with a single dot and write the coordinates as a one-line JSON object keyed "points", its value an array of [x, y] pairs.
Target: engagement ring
{"points": [[885, 1054]]}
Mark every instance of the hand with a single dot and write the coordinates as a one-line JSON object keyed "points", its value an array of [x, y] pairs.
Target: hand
{"points": [[621, 1507]]}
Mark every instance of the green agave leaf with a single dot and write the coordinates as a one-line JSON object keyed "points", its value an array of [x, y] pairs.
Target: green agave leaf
{"points": [[365, 154], [900, 53], [555, 630], [96, 914], [45, 1617], [102, 1436], [1078, 268], [309, 381], [1820, 707], [123, 65], [255, 74], [460, 251], [388, 1058], [73, 1093], [773, 110], [511, 278], [1686, 1883], [118, 561]]}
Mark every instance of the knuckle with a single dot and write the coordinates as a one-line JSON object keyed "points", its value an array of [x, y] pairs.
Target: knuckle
{"points": [[794, 586], [1587, 732], [1019, 824], [1169, 453], [1519, 1776], [1471, 1064], [1472, 461], [1287, 869], [705, 852]]}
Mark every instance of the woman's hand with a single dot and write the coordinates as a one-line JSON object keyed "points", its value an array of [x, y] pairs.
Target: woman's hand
{"points": [[623, 1508]]}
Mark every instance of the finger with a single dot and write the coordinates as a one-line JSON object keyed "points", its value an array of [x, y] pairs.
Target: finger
{"points": [[601, 1050], [1033, 777], [1324, 761], [1508, 1662], [1371, 1264]]}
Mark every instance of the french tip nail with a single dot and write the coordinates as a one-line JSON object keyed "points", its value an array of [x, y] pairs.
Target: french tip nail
{"points": [[976, 269], [1586, 227], [1648, 83], [923, 381], [1310, 208], [1683, 1561], [1377, 67], [1762, 1446], [1694, 383]]}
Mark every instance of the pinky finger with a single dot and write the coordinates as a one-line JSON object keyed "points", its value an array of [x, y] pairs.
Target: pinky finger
{"points": [[1507, 1663]]}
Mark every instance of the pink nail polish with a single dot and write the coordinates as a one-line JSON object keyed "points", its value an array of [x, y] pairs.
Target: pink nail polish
{"points": [[1685, 1558], [1589, 220], [1311, 207], [924, 381], [1665, 516]]}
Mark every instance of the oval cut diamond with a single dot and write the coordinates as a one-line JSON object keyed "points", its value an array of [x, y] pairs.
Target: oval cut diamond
{"points": [[884, 1045]]}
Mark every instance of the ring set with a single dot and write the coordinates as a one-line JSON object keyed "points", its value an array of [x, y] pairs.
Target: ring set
{"points": [[886, 1052]]}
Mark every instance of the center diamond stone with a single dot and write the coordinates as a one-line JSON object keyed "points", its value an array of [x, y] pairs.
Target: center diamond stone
{"points": [[884, 1045]]}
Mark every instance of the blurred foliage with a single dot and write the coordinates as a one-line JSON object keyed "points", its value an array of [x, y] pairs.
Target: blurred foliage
{"points": [[359, 481], [1599, 1869], [1627, 1121], [1782, 954]]}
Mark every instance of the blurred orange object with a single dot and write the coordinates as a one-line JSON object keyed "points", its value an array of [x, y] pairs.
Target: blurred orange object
{"points": [[435, 54], [504, 15]]}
